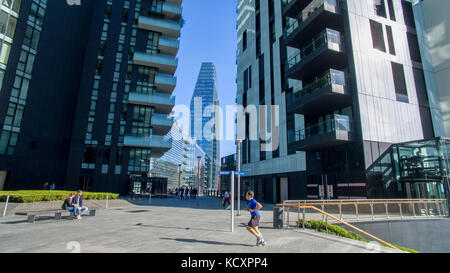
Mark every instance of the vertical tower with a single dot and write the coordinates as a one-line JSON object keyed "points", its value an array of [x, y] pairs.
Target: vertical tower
{"points": [[41, 63], [350, 82], [363, 89], [86, 91], [122, 114], [275, 172], [204, 125]]}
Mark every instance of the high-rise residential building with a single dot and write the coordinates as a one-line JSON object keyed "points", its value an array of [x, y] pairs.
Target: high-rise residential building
{"points": [[86, 91], [351, 85], [204, 121]]}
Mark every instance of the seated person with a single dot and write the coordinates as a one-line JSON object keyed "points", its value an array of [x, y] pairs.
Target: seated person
{"points": [[68, 203], [78, 204]]}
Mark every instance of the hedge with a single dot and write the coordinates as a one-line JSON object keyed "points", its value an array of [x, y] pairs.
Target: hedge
{"points": [[328, 228], [46, 196]]}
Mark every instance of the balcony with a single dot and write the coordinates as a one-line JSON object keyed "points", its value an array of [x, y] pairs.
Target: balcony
{"points": [[161, 124], [168, 28], [163, 103], [164, 63], [316, 97], [291, 8], [334, 132], [318, 15], [326, 49], [168, 45], [165, 83], [159, 144], [175, 2], [172, 11]]}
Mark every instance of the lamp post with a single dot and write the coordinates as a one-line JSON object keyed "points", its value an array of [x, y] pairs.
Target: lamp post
{"points": [[179, 175], [238, 142], [198, 176]]}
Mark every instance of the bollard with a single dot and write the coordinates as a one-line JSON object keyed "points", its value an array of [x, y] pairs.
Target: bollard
{"points": [[277, 218], [6, 206], [107, 201]]}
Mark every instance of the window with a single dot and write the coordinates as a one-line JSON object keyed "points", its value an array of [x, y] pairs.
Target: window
{"points": [[247, 79], [90, 154], [390, 38], [398, 74], [380, 8], [414, 49], [244, 40], [377, 36], [408, 14], [391, 10]]}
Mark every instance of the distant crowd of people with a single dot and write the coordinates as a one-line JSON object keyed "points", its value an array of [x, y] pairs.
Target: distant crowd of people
{"points": [[184, 193]]}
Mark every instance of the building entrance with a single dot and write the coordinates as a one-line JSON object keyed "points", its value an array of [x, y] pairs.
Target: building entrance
{"points": [[425, 190]]}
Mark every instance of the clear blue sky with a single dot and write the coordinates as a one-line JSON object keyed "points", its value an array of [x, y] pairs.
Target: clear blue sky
{"points": [[209, 35]]}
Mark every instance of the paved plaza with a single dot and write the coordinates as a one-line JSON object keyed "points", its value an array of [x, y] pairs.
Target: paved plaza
{"points": [[166, 226]]}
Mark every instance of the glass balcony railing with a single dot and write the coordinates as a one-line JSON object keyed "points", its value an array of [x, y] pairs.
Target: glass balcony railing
{"points": [[327, 36], [329, 78], [291, 26], [336, 123]]}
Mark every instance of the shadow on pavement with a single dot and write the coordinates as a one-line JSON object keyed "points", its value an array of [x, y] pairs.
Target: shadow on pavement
{"points": [[204, 242], [209, 203], [180, 228]]}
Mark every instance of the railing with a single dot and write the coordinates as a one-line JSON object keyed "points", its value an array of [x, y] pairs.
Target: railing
{"points": [[372, 209], [329, 78], [309, 10], [337, 123], [335, 218], [325, 37]]}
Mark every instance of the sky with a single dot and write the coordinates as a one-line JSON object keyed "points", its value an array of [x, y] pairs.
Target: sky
{"points": [[208, 35]]}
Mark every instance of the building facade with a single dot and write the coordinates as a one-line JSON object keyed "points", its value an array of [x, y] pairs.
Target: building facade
{"points": [[352, 85], [204, 121], [99, 93]]}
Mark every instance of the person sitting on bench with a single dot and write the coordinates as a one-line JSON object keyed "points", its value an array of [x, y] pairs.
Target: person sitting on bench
{"points": [[78, 203], [68, 203]]}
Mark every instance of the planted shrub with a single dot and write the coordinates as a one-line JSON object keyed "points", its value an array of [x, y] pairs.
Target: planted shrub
{"points": [[47, 196], [324, 227]]}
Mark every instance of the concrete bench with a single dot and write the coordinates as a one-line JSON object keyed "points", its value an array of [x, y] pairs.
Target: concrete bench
{"points": [[58, 213]]}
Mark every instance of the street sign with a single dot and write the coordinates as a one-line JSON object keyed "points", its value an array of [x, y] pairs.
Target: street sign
{"points": [[235, 173]]}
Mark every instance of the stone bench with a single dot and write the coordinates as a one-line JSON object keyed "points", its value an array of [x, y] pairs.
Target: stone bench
{"points": [[58, 213]]}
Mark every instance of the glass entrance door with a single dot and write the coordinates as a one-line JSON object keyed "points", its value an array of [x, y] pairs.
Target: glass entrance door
{"points": [[426, 190]]}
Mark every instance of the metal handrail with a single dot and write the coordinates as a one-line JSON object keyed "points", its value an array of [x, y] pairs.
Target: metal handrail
{"points": [[440, 205], [341, 221]]}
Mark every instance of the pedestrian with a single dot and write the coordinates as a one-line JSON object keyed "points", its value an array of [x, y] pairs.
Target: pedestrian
{"points": [[253, 225], [191, 192], [181, 193], [78, 204], [176, 193], [53, 187], [186, 193], [226, 200], [45, 187]]}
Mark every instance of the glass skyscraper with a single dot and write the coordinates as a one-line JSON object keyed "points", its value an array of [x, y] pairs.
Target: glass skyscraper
{"points": [[203, 120]]}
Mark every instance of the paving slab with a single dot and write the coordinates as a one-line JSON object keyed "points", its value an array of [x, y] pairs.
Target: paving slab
{"points": [[166, 226]]}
